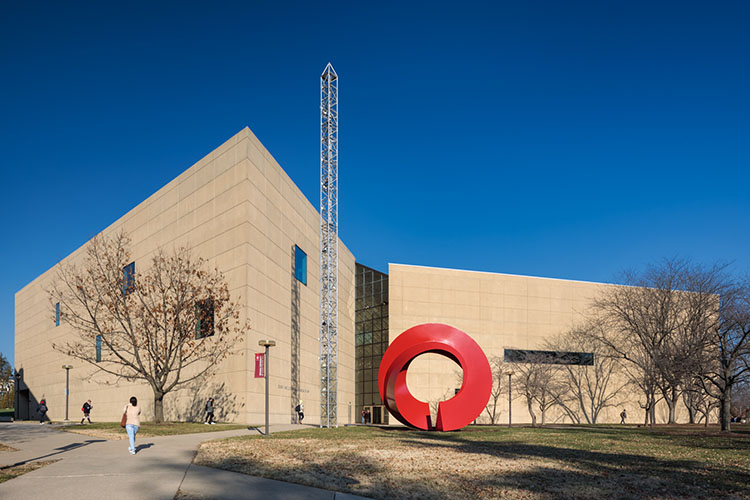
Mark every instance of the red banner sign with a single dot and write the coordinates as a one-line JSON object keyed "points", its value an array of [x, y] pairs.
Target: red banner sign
{"points": [[260, 365]]}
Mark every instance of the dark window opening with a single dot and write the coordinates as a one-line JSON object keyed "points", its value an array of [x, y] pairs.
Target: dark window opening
{"points": [[549, 357], [204, 324], [98, 348], [128, 279], [57, 314]]}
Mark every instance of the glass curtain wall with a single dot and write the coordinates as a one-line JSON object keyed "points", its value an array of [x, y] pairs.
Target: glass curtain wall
{"points": [[371, 340]]}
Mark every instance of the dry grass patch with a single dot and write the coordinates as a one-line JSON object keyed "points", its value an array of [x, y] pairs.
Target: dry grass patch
{"points": [[113, 432], [488, 463], [9, 472], [4, 447]]}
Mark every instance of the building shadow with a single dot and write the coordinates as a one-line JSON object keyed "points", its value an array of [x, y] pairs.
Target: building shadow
{"points": [[56, 451], [294, 343], [226, 404]]}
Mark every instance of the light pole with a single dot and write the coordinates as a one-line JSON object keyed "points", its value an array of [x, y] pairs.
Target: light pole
{"points": [[67, 388], [266, 344], [510, 399]]}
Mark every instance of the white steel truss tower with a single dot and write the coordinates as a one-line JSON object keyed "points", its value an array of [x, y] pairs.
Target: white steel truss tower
{"points": [[329, 245]]}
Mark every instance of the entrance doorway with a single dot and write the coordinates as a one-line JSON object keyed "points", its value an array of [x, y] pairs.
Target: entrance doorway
{"points": [[377, 413]]}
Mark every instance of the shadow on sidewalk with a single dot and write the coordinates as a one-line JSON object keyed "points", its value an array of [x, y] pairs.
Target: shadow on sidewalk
{"points": [[61, 449]]}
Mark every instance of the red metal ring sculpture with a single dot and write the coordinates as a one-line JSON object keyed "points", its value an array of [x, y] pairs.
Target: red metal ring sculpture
{"points": [[455, 413]]}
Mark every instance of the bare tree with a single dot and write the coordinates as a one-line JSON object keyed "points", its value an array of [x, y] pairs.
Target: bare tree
{"points": [[7, 383], [728, 341], [169, 325], [741, 400], [588, 389], [657, 324], [537, 379], [698, 402], [492, 408]]}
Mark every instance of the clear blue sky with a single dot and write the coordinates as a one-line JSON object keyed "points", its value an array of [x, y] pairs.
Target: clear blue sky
{"points": [[559, 139]]}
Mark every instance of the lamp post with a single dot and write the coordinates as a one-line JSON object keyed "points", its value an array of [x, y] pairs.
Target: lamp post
{"points": [[67, 388], [266, 344], [510, 399]]}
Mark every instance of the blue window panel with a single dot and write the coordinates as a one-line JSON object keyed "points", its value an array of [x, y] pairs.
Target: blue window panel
{"points": [[300, 265], [57, 314], [128, 278], [98, 348]]}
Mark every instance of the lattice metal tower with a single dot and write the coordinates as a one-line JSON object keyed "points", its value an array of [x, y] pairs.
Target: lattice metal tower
{"points": [[329, 245]]}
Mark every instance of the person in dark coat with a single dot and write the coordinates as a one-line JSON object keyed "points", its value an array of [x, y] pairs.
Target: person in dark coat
{"points": [[300, 409], [86, 409], [209, 412], [42, 409]]}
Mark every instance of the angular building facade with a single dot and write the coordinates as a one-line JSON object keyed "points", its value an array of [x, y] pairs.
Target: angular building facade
{"points": [[237, 209], [240, 211]]}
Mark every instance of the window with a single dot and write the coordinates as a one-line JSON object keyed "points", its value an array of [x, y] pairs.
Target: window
{"points": [[57, 314], [549, 357], [204, 324], [300, 265], [128, 279], [98, 348]]}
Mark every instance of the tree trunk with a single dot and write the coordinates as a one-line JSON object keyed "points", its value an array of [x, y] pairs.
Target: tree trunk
{"points": [[652, 411], [158, 407], [671, 406], [725, 413], [531, 412], [691, 414]]}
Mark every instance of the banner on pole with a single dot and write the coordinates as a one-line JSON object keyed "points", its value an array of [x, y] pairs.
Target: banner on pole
{"points": [[260, 365]]}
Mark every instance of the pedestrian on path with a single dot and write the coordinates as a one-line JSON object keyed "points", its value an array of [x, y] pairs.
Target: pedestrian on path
{"points": [[42, 409], [133, 422], [86, 409], [623, 416], [363, 416], [209, 412], [300, 409]]}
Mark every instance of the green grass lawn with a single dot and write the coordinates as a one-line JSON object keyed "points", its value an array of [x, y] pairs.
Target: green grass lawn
{"points": [[112, 430], [578, 462]]}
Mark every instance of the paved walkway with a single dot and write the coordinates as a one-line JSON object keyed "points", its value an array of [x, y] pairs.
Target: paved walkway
{"points": [[89, 467]]}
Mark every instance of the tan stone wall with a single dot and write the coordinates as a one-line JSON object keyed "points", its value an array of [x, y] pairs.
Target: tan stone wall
{"points": [[241, 212], [498, 311]]}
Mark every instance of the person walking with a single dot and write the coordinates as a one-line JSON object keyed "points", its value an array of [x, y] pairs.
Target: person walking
{"points": [[367, 416], [132, 422], [623, 416], [86, 409], [300, 409], [363, 416], [42, 409], [209, 412]]}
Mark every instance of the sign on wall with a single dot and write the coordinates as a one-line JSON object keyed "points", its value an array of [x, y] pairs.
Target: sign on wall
{"points": [[260, 365]]}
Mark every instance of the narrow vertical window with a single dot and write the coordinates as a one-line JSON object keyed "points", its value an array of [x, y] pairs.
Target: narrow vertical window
{"points": [[57, 314], [98, 348], [300, 265], [204, 324], [128, 278]]}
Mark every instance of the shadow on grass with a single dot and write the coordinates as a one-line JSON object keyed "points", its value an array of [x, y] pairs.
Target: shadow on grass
{"points": [[681, 478], [579, 463]]}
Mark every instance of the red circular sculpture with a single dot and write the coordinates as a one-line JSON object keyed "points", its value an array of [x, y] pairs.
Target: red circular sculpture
{"points": [[455, 413]]}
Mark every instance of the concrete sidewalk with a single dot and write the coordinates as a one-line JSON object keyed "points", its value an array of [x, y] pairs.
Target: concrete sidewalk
{"points": [[162, 467]]}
